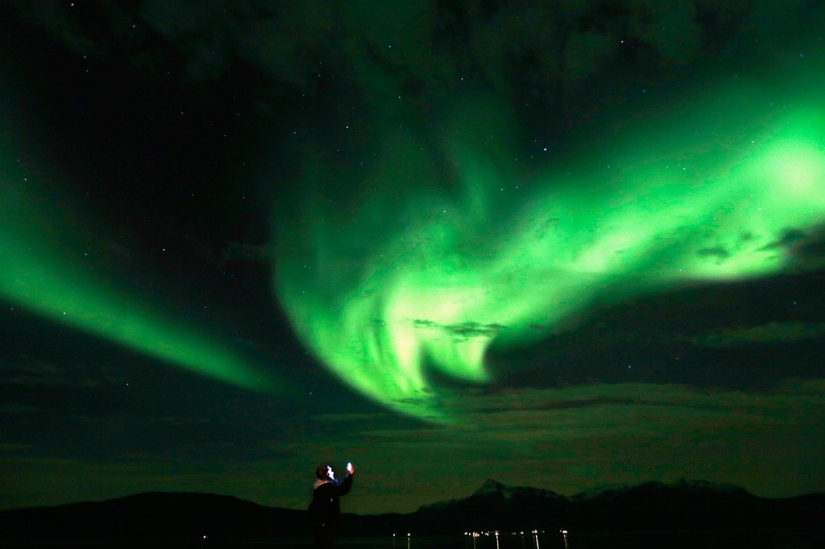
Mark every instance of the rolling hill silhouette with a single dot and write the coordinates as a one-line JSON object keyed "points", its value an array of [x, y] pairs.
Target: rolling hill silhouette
{"points": [[684, 505]]}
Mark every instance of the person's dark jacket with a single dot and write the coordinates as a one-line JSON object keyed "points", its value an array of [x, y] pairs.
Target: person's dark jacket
{"points": [[325, 507]]}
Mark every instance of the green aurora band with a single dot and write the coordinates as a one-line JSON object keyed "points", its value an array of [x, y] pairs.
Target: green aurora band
{"points": [[383, 290], [42, 269]]}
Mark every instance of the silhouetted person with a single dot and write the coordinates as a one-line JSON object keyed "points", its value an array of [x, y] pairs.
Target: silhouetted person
{"points": [[325, 507]]}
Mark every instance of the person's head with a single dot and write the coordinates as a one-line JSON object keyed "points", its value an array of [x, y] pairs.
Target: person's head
{"points": [[325, 472]]}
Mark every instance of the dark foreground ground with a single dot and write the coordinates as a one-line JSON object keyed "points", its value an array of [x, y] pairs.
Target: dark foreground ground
{"points": [[718, 539]]}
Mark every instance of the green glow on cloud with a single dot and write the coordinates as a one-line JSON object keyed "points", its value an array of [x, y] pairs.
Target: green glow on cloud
{"points": [[42, 268], [412, 278]]}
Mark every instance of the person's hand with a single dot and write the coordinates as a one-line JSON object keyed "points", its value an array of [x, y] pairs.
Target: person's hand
{"points": [[350, 468]]}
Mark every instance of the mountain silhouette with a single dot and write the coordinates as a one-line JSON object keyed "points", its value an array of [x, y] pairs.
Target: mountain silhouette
{"points": [[683, 505]]}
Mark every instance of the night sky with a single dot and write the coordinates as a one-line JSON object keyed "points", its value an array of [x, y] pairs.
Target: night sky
{"points": [[558, 244]]}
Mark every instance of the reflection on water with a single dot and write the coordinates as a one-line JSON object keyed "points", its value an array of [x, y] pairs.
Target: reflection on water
{"points": [[724, 539]]}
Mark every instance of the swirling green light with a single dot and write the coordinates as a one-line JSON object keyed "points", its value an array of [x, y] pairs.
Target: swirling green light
{"points": [[434, 279], [42, 269]]}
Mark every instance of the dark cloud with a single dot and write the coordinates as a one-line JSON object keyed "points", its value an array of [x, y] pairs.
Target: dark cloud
{"points": [[34, 372], [790, 238], [542, 53], [582, 403], [463, 330], [719, 253], [773, 332]]}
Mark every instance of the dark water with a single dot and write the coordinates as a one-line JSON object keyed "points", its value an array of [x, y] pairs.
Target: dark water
{"points": [[727, 539]]}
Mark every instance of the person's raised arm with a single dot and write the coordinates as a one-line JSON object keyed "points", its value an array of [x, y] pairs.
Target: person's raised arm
{"points": [[346, 486]]}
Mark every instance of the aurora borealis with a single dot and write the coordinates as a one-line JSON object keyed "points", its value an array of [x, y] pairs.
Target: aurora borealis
{"points": [[455, 276], [37, 273], [556, 245]]}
